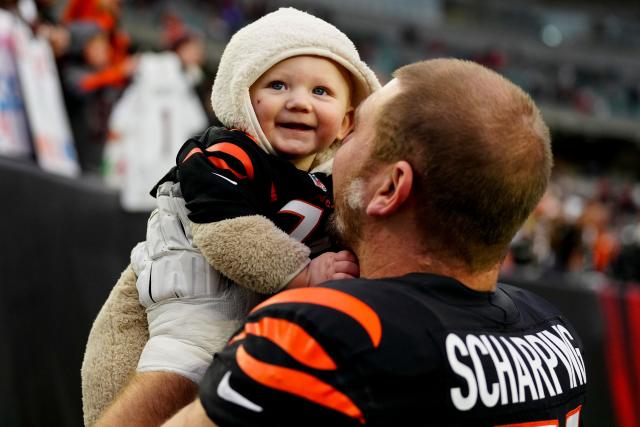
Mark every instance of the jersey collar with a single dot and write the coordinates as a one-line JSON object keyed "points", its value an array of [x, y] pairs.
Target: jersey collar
{"points": [[496, 305]]}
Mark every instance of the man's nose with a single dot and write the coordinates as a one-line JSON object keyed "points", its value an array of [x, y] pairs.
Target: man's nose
{"points": [[299, 100]]}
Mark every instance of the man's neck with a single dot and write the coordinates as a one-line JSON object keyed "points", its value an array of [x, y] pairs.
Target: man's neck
{"points": [[383, 256], [390, 254]]}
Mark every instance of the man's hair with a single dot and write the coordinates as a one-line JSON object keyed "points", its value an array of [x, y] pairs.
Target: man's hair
{"points": [[480, 152]]}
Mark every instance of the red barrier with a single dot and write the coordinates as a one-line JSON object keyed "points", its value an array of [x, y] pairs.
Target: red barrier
{"points": [[633, 315], [618, 351]]}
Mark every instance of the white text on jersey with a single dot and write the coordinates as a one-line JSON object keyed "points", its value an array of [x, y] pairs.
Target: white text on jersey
{"points": [[526, 367]]}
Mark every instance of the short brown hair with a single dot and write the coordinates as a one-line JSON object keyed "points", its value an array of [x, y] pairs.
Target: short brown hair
{"points": [[480, 152]]}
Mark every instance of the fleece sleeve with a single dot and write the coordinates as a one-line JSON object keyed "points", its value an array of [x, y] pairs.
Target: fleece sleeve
{"points": [[251, 251]]}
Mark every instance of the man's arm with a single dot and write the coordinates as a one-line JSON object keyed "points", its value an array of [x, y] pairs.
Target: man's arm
{"points": [[149, 399], [192, 415]]}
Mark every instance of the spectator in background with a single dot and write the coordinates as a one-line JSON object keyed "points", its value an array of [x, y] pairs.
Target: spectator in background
{"points": [[91, 88], [95, 72], [172, 28], [46, 11], [602, 242], [626, 266], [566, 243], [106, 14], [189, 47], [41, 19], [48, 26]]}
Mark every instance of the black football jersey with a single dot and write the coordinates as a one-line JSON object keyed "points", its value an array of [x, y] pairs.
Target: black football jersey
{"points": [[419, 350], [224, 174]]}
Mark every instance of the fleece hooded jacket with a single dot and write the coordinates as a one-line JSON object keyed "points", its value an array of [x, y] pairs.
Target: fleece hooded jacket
{"points": [[269, 40]]}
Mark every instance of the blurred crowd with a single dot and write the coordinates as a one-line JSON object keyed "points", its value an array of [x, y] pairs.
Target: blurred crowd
{"points": [[595, 91], [573, 58], [525, 42], [96, 62], [583, 66], [583, 224]]}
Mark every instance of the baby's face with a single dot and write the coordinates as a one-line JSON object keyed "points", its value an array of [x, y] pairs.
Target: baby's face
{"points": [[303, 104]]}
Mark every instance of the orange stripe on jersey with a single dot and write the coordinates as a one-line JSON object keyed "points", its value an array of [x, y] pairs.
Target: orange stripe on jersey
{"points": [[237, 337], [337, 300], [294, 340], [547, 423], [297, 383], [235, 151], [191, 153], [221, 164]]}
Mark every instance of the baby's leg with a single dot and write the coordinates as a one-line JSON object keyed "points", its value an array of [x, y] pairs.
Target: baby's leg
{"points": [[115, 342]]}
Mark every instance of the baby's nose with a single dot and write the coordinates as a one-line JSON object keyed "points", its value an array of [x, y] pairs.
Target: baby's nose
{"points": [[299, 100]]}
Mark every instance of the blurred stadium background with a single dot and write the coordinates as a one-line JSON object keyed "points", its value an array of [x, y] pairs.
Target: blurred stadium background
{"points": [[67, 226]]}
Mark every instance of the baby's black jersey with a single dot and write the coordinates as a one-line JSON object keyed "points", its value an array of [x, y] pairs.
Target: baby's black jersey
{"points": [[224, 174], [419, 350]]}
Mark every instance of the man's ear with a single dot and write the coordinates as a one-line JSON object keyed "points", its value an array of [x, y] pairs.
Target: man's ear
{"points": [[347, 124], [392, 191]]}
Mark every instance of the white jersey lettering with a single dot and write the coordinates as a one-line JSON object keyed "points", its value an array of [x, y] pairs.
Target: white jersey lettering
{"points": [[522, 372], [489, 399], [539, 375], [506, 369], [503, 369], [550, 360], [576, 357], [558, 347], [453, 343]]}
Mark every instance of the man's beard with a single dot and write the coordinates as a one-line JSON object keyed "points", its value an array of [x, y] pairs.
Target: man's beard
{"points": [[345, 224]]}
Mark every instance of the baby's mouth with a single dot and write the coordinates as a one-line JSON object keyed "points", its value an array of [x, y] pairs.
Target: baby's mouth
{"points": [[295, 126]]}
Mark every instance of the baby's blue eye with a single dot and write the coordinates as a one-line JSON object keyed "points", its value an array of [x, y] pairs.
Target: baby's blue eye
{"points": [[277, 85], [319, 90]]}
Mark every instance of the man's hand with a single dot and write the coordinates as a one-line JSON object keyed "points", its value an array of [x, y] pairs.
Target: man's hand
{"points": [[328, 266]]}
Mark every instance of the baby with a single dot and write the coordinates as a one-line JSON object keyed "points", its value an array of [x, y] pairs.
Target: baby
{"points": [[285, 90], [238, 188]]}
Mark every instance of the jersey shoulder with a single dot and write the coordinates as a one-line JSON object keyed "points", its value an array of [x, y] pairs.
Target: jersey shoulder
{"points": [[333, 319], [529, 303], [354, 317]]}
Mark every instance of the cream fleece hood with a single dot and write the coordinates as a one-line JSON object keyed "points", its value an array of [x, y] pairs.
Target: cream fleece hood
{"points": [[275, 37]]}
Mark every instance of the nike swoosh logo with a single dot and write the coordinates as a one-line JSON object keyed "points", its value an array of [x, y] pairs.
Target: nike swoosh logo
{"points": [[230, 395], [224, 177]]}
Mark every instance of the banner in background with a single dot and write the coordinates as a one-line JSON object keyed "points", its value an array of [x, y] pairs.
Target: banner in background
{"points": [[44, 103], [14, 133]]}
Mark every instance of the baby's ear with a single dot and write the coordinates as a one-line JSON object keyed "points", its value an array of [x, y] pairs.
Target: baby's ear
{"points": [[347, 123]]}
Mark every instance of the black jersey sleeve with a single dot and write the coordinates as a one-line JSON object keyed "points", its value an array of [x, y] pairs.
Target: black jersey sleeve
{"points": [[223, 174], [289, 364]]}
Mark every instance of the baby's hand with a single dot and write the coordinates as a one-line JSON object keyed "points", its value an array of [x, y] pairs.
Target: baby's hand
{"points": [[328, 266]]}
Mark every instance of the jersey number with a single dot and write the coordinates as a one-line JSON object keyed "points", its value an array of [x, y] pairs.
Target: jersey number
{"points": [[572, 420], [309, 218]]}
